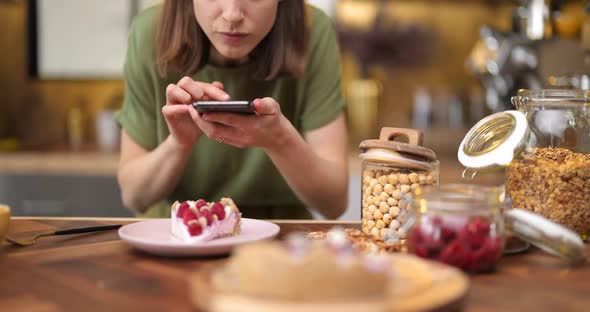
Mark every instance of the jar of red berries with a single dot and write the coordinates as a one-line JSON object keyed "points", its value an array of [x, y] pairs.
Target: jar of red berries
{"points": [[466, 225], [461, 225]]}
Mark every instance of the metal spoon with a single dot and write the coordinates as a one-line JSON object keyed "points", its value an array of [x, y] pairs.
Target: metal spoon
{"points": [[31, 241]]}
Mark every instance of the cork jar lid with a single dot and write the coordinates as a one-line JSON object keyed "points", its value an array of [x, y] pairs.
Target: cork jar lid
{"points": [[387, 151]]}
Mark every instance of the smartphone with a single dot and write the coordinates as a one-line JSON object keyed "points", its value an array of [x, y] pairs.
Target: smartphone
{"points": [[238, 107]]}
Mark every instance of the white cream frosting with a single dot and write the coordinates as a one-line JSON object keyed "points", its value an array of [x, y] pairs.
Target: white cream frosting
{"points": [[216, 229]]}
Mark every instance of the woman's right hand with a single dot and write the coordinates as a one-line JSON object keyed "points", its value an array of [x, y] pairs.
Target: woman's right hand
{"points": [[179, 98]]}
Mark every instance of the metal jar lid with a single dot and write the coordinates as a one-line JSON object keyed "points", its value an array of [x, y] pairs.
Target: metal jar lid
{"points": [[387, 151], [494, 141], [550, 236]]}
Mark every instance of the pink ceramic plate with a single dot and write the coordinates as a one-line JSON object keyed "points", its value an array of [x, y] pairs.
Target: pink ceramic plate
{"points": [[155, 237]]}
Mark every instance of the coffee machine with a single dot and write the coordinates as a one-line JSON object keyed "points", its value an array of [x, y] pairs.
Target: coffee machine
{"points": [[532, 55]]}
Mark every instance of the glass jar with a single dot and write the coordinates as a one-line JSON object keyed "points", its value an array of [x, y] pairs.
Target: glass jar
{"points": [[545, 148], [461, 225], [552, 175], [466, 226], [390, 170]]}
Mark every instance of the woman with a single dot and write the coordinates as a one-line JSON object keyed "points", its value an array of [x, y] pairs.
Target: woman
{"points": [[288, 156]]}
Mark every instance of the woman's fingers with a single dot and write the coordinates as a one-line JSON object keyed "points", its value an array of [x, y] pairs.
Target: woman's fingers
{"points": [[218, 85], [216, 131], [213, 92], [171, 110], [188, 90], [194, 114], [176, 95], [199, 90], [267, 106], [234, 120], [191, 87]]}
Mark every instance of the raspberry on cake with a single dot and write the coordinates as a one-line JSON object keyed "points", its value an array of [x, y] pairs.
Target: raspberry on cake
{"points": [[202, 221]]}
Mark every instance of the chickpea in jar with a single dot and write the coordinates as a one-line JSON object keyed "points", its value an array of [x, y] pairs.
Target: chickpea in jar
{"points": [[388, 187], [391, 172]]}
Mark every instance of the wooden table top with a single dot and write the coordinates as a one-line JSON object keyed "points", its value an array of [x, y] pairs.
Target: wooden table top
{"points": [[98, 272]]}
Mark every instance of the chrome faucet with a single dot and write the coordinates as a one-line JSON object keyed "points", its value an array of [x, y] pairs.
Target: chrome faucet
{"points": [[537, 19], [507, 61]]}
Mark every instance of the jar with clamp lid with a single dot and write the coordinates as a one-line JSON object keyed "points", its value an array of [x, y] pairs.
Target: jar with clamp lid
{"points": [[544, 146]]}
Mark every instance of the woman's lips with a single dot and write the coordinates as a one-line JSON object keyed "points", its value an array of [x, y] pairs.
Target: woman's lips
{"points": [[233, 37]]}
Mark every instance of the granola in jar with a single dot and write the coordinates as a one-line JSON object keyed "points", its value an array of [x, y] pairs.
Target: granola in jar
{"points": [[553, 182]]}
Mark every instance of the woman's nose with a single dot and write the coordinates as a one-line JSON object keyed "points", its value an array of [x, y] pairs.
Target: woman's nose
{"points": [[233, 11]]}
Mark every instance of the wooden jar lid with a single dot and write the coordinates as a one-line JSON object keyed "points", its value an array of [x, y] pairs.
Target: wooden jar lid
{"points": [[413, 150]]}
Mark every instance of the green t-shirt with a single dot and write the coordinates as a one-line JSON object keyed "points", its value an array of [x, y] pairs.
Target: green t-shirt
{"points": [[217, 170]]}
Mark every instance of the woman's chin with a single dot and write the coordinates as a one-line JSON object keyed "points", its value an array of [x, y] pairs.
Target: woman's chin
{"points": [[232, 55]]}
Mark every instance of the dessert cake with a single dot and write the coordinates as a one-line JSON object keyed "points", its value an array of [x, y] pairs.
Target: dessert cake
{"points": [[304, 272], [194, 221], [325, 275]]}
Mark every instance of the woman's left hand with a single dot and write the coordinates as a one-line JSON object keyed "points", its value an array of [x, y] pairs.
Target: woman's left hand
{"points": [[265, 129]]}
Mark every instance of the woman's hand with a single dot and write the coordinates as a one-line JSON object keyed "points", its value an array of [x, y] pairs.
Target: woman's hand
{"points": [[179, 98], [265, 129]]}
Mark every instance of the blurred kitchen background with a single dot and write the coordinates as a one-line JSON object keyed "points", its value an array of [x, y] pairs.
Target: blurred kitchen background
{"points": [[437, 65]]}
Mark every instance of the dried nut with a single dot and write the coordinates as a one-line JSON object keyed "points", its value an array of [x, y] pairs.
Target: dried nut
{"points": [[380, 224], [429, 179], [384, 208], [383, 203], [388, 188], [405, 188], [394, 224], [394, 212], [373, 183], [392, 179], [413, 177], [392, 202], [403, 179], [377, 189], [376, 200], [386, 218], [375, 232], [421, 179]]}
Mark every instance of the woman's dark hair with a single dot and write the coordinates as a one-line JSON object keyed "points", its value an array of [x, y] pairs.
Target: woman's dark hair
{"points": [[183, 47]]}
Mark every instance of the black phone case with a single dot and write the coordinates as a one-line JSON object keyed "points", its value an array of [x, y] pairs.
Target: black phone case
{"points": [[238, 107]]}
